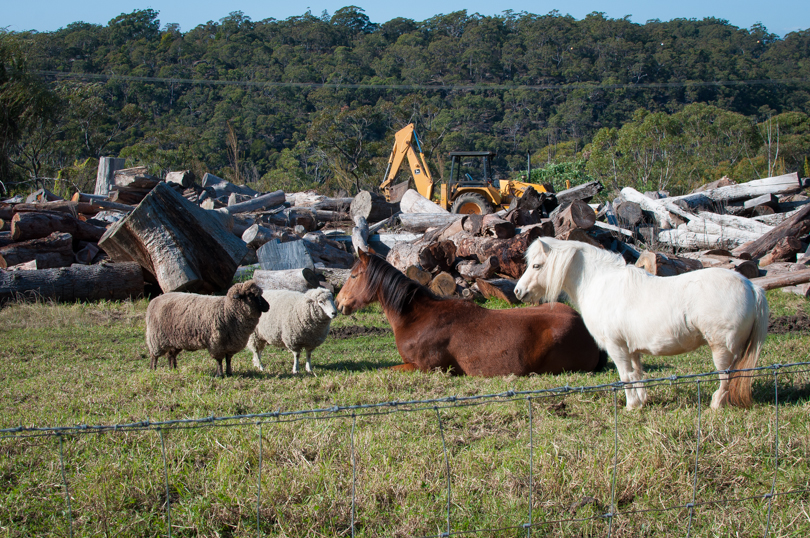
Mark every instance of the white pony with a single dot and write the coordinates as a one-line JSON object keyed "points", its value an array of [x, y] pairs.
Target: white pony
{"points": [[630, 312]]}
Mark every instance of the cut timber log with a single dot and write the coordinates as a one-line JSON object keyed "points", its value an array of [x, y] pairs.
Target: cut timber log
{"points": [[443, 285], [25, 226], [438, 257], [629, 214], [42, 195], [277, 256], [56, 250], [746, 268], [335, 278], [105, 174], [417, 274], [577, 215], [682, 238], [495, 226], [184, 178], [472, 270], [510, 252], [257, 235], [500, 288], [271, 199], [768, 199], [740, 223], [182, 245], [735, 235], [795, 226], [291, 279], [785, 250], [360, 234], [372, 206], [659, 264], [419, 222], [321, 251], [413, 202], [106, 281], [63, 206], [582, 192], [782, 280], [655, 207]]}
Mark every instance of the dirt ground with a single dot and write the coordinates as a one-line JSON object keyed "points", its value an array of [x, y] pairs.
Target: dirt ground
{"points": [[355, 330], [799, 323]]}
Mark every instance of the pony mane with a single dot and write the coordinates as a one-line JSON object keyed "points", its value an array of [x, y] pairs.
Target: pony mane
{"points": [[394, 290]]}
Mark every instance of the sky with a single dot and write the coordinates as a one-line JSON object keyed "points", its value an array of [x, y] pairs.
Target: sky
{"points": [[778, 16]]}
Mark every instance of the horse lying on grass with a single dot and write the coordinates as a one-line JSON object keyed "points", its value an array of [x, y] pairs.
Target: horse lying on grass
{"points": [[458, 335], [630, 312]]}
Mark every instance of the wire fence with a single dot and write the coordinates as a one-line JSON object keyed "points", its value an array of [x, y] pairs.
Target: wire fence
{"points": [[437, 406]]}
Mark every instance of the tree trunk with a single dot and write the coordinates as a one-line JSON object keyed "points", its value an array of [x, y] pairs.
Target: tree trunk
{"points": [[56, 250], [655, 207], [629, 214], [782, 280], [417, 274], [105, 175], [63, 206], [472, 270], [443, 285], [182, 245], [795, 226], [257, 235], [693, 241], [25, 226], [106, 281], [413, 202], [509, 252], [290, 279], [260, 202], [784, 250], [784, 184], [322, 252], [419, 222], [372, 206], [360, 234], [659, 264], [582, 192], [578, 215], [184, 178], [739, 223], [438, 257], [495, 226]]}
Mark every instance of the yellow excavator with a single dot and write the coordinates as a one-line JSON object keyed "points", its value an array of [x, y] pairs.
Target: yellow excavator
{"points": [[471, 188]]}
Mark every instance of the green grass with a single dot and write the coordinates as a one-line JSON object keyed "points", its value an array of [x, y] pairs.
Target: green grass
{"points": [[87, 364]]}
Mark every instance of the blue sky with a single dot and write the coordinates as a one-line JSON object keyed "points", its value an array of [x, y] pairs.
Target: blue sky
{"points": [[779, 16]]}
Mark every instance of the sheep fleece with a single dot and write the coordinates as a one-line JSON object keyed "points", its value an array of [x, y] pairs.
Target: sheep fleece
{"points": [[293, 321]]}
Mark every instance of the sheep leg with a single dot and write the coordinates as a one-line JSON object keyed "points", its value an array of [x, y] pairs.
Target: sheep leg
{"points": [[173, 358], [296, 354], [309, 365], [219, 366], [256, 346], [228, 370]]}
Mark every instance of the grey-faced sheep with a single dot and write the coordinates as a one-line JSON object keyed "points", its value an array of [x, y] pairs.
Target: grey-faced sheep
{"points": [[296, 321], [186, 321]]}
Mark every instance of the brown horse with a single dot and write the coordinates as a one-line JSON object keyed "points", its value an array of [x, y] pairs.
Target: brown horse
{"points": [[461, 336]]}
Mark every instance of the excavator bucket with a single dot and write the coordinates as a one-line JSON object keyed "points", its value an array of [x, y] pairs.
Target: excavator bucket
{"points": [[396, 192]]}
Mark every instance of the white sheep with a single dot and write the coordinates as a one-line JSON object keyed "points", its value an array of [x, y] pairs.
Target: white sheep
{"points": [[187, 321], [296, 321]]}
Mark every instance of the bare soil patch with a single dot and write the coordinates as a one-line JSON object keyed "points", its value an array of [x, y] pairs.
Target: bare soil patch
{"points": [[353, 331], [799, 323]]}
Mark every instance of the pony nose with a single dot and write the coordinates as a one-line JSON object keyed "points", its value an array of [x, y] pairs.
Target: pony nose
{"points": [[519, 293]]}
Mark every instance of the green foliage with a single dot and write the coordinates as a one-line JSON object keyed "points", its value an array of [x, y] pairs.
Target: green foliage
{"points": [[562, 175], [255, 77]]}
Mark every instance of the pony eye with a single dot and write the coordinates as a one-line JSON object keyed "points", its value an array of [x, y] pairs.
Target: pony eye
{"points": [[536, 266]]}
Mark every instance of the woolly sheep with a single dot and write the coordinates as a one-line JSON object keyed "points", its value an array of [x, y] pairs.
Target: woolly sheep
{"points": [[187, 321], [297, 321]]}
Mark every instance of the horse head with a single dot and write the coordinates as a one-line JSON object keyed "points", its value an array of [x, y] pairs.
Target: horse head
{"points": [[356, 293], [547, 264]]}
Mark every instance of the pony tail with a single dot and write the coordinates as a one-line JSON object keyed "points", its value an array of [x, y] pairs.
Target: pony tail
{"points": [[739, 387], [555, 271]]}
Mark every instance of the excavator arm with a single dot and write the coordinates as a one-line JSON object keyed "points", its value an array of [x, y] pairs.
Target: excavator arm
{"points": [[405, 141]]}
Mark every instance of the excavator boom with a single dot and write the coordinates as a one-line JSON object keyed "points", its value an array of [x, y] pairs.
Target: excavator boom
{"points": [[406, 145]]}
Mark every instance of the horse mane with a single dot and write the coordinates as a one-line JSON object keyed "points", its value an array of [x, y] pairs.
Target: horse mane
{"points": [[394, 290], [560, 257]]}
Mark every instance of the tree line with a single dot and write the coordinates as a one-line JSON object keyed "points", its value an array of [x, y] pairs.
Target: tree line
{"points": [[313, 101]]}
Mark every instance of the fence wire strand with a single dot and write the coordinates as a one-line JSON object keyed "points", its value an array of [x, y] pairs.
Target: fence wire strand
{"points": [[437, 405]]}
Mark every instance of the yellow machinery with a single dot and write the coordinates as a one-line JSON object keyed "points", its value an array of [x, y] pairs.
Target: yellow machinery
{"points": [[471, 188]]}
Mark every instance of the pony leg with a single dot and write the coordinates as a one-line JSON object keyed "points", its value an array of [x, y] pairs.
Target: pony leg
{"points": [[722, 358], [624, 364], [405, 367], [638, 375]]}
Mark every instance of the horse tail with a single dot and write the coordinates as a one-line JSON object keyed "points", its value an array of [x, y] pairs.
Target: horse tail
{"points": [[739, 390]]}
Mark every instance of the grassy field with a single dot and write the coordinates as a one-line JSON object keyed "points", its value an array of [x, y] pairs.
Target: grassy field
{"points": [[65, 365]]}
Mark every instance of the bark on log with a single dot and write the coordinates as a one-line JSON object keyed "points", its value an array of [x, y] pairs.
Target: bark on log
{"points": [[108, 281], [5, 239], [413, 202], [629, 214], [42, 195], [443, 285], [495, 226], [126, 195], [785, 250], [420, 222], [360, 234], [25, 226], [438, 257], [257, 235], [405, 254], [63, 206], [510, 252], [577, 215], [693, 241], [582, 192], [56, 250], [222, 187], [182, 245], [322, 252], [795, 226], [335, 278], [372, 206], [418, 275], [782, 280], [655, 207], [784, 184], [184, 178], [271, 199], [473, 224], [86, 253], [500, 288], [472, 270], [104, 176], [579, 235], [741, 223], [289, 279], [701, 226], [746, 268], [659, 264], [769, 200]]}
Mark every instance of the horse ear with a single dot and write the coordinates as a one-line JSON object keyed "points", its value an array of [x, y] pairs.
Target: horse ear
{"points": [[363, 256]]}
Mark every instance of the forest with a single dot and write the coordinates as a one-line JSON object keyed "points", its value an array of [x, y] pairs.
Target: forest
{"points": [[314, 101]]}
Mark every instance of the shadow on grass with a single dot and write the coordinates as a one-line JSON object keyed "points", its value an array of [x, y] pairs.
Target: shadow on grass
{"points": [[358, 366]]}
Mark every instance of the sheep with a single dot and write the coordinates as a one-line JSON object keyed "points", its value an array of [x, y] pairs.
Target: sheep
{"points": [[297, 321], [187, 321]]}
